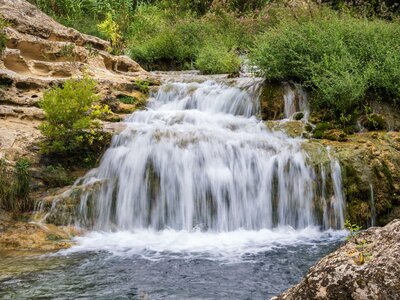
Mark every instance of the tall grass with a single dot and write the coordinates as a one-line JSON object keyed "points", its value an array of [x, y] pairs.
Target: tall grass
{"points": [[15, 186]]}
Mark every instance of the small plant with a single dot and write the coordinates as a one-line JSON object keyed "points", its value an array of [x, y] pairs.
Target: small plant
{"points": [[354, 229], [345, 119], [143, 86], [127, 99], [93, 52], [67, 51]]}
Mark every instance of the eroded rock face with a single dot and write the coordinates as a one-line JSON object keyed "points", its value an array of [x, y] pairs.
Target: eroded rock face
{"points": [[365, 267], [41, 53]]}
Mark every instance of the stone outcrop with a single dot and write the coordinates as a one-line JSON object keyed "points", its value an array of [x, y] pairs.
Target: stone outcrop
{"points": [[41, 53], [367, 266], [370, 165]]}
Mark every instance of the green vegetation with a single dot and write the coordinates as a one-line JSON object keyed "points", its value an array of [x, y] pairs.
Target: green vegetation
{"points": [[353, 229], [345, 52], [57, 176], [71, 131], [341, 59], [14, 186]]}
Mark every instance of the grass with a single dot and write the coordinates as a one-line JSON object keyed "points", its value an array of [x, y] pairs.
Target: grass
{"points": [[15, 186]]}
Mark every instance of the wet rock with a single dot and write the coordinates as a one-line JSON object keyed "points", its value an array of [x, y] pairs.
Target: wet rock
{"points": [[370, 165], [271, 102], [290, 127], [17, 235], [365, 267]]}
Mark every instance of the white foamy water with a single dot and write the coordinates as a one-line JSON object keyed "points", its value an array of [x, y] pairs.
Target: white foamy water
{"points": [[229, 246]]}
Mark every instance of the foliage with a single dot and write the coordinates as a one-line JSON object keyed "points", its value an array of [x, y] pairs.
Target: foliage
{"points": [[14, 186], [84, 15], [352, 228], [127, 99], [110, 29], [70, 128], [341, 59], [142, 86], [387, 9], [215, 59], [153, 38]]}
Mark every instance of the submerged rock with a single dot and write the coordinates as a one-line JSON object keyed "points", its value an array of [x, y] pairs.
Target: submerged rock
{"points": [[367, 266]]}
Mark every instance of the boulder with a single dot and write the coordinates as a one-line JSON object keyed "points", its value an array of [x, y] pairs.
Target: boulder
{"points": [[367, 266]]}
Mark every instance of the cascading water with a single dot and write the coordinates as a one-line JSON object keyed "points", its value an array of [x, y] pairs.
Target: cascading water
{"points": [[199, 159], [295, 100], [195, 199]]}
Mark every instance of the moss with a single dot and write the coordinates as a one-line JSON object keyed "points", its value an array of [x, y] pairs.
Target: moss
{"points": [[127, 99], [335, 135], [54, 237]]}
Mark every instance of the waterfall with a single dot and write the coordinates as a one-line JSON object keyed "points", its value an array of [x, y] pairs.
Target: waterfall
{"points": [[198, 158], [295, 100]]}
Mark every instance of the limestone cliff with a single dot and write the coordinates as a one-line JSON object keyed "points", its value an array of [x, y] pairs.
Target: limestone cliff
{"points": [[41, 53]]}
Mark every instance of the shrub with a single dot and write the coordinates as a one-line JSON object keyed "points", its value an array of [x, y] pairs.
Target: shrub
{"points": [[110, 29], [70, 129], [215, 59], [14, 186], [84, 15], [341, 59]]}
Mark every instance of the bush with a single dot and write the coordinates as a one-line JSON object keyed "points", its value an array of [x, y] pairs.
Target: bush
{"points": [[14, 186], [341, 59], [160, 39], [70, 129], [84, 15], [215, 59]]}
